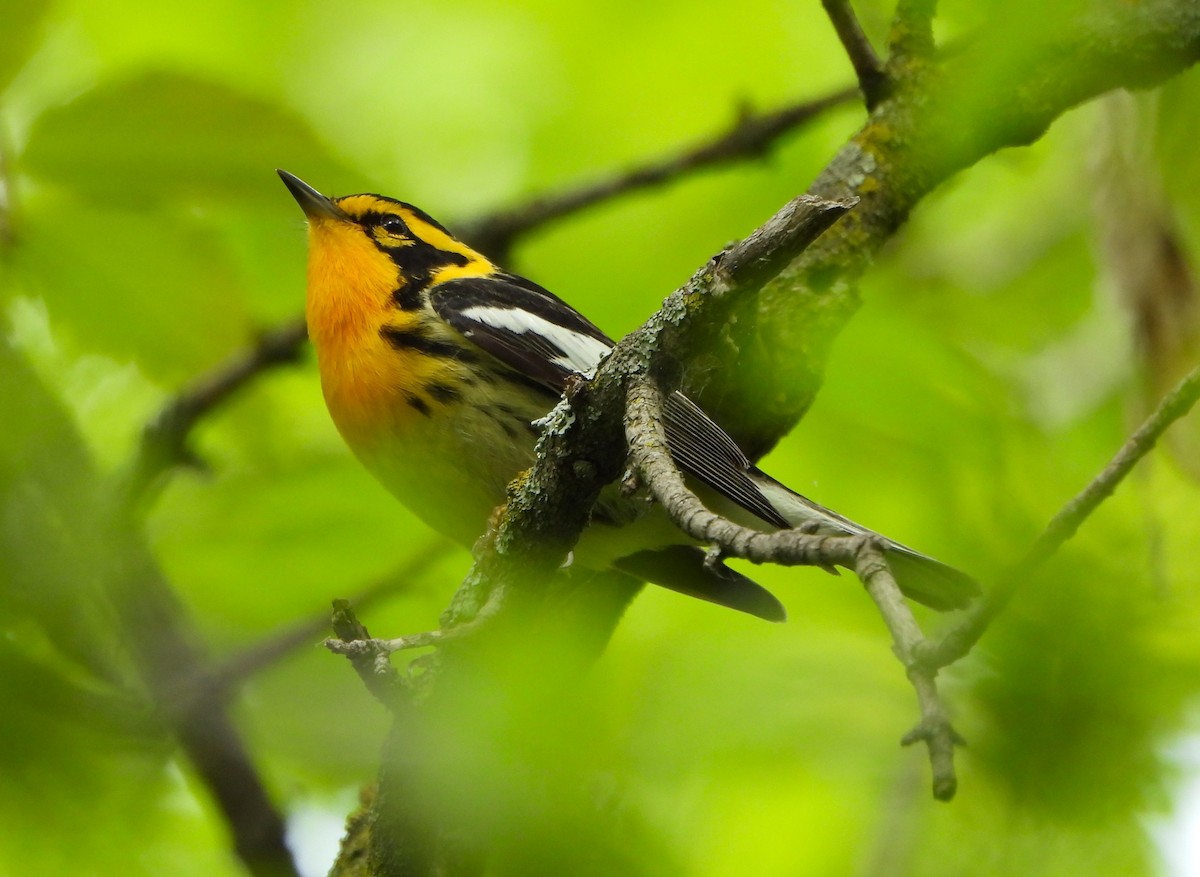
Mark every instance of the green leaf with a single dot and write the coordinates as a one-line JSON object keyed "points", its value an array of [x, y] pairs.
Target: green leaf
{"points": [[134, 285], [20, 27], [161, 137], [51, 542]]}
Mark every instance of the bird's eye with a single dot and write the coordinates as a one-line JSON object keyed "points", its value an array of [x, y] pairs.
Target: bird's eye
{"points": [[393, 225]]}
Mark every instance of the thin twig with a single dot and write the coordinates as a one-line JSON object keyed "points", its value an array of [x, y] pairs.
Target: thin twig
{"points": [[873, 82], [750, 137], [962, 637], [369, 660], [934, 729], [253, 659], [164, 441]]}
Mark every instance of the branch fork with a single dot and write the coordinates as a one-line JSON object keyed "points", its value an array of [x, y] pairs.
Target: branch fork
{"points": [[652, 462]]}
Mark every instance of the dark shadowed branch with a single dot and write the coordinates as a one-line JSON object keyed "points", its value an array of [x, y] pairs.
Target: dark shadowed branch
{"points": [[873, 82], [751, 136], [164, 442], [173, 666]]}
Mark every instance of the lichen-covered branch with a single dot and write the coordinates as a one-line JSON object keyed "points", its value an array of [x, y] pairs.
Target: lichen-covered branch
{"points": [[911, 37], [1002, 88], [582, 447]]}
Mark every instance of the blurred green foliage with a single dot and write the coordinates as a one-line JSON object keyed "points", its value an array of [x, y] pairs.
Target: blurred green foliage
{"points": [[987, 378]]}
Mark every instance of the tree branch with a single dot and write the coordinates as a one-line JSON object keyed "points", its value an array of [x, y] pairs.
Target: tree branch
{"points": [[173, 668], [368, 658], [873, 82], [582, 447], [581, 450], [164, 441], [784, 332], [961, 109], [962, 637], [651, 460], [966, 115], [934, 729], [750, 137], [911, 37]]}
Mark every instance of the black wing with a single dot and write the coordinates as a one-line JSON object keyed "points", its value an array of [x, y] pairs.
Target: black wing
{"points": [[703, 449], [683, 568], [527, 328], [541, 337]]}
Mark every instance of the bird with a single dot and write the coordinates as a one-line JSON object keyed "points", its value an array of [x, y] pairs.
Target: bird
{"points": [[437, 366]]}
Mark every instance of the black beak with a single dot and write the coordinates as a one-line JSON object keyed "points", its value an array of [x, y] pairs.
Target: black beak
{"points": [[312, 202]]}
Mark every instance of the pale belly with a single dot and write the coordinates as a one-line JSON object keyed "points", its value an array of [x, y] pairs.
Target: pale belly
{"points": [[453, 470]]}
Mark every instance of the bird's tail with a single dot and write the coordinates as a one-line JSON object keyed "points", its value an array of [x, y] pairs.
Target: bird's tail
{"points": [[919, 576]]}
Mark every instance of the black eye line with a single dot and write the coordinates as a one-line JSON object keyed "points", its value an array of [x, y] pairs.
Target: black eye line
{"points": [[378, 219]]}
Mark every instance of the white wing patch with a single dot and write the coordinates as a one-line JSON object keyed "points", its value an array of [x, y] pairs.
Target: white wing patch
{"points": [[580, 353]]}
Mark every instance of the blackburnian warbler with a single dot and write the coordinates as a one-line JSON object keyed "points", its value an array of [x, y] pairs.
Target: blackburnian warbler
{"points": [[435, 365]]}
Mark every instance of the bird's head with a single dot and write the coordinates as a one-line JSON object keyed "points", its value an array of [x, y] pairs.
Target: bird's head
{"points": [[368, 255]]}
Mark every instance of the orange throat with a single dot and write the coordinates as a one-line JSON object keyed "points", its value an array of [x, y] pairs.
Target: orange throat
{"points": [[349, 298]]}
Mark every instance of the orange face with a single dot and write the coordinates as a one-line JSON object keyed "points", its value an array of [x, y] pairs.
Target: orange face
{"points": [[350, 286], [370, 258]]}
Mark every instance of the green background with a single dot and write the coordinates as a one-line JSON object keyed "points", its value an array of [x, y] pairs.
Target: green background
{"points": [[989, 375]]}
